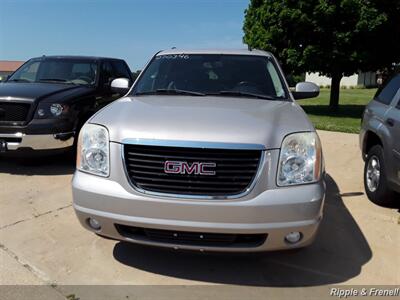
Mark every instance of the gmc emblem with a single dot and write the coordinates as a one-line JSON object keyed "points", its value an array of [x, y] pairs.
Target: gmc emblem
{"points": [[183, 167]]}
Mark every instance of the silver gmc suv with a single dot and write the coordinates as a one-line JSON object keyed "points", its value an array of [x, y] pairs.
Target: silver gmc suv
{"points": [[207, 151]]}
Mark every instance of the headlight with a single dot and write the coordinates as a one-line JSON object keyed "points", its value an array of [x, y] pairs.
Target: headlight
{"points": [[56, 109], [51, 110], [300, 159], [93, 154]]}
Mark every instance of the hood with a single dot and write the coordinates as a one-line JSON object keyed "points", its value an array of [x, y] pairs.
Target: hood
{"points": [[36, 91], [203, 119]]}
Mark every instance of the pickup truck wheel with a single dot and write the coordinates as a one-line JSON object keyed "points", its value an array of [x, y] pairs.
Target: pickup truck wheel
{"points": [[375, 181]]}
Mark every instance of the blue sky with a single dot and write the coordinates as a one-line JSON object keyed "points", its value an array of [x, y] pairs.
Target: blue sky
{"points": [[133, 30]]}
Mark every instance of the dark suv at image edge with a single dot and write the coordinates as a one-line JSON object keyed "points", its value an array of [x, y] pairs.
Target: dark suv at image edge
{"points": [[380, 144], [44, 103]]}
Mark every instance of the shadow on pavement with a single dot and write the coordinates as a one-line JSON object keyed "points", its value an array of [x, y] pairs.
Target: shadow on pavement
{"points": [[337, 255], [56, 164]]}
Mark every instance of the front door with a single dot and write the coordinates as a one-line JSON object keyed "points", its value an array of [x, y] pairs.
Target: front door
{"points": [[392, 122]]}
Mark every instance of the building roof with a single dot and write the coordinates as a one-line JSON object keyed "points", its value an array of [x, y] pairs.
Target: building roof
{"points": [[174, 51], [10, 65]]}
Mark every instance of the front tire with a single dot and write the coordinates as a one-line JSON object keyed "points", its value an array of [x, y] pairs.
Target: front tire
{"points": [[375, 181]]}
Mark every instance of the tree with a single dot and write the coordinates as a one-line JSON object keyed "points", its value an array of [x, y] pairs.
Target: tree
{"points": [[333, 37], [135, 74]]}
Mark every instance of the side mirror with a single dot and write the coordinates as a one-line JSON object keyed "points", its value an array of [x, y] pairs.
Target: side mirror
{"points": [[120, 85], [305, 90]]}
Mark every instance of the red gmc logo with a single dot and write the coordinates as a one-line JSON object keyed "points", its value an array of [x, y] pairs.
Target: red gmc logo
{"points": [[183, 167]]}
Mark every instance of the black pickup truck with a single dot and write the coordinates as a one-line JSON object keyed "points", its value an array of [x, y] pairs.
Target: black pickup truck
{"points": [[45, 102]]}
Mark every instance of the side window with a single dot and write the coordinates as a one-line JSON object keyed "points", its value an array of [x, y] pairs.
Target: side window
{"points": [[106, 73], [386, 94], [121, 70]]}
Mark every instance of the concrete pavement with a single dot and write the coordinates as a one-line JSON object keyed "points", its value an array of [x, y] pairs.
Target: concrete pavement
{"points": [[41, 241]]}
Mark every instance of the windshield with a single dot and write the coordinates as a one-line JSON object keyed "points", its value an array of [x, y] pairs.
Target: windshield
{"points": [[57, 70], [206, 74]]}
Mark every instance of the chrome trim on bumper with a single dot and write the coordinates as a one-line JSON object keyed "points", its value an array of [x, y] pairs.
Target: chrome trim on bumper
{"points": [[37, 141], [193, 144]]}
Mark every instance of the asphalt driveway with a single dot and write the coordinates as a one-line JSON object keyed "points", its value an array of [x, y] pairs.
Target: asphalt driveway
{"points": [[41, 241]]}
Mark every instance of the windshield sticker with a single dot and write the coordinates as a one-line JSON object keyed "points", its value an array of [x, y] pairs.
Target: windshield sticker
{"points": [[173, 56]]}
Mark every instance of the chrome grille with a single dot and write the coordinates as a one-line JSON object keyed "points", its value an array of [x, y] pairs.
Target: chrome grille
{"points": [[235, 170]]}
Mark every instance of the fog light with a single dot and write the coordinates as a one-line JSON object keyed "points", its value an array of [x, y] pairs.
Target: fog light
{"points": [[41, 112], [293, 237], [94, 224]]}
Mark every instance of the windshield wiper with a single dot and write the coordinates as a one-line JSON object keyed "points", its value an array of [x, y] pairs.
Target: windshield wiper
{"points": [[52, 79], [246, 94], [19, 80], [171, 92]]}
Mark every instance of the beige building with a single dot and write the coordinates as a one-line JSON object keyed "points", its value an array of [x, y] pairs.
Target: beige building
{"points": [[7, 67], [367, 79]]}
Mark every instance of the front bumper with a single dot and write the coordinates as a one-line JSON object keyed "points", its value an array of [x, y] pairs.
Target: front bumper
{"points": [[21, 141], [267, 210], [39, 134]]}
